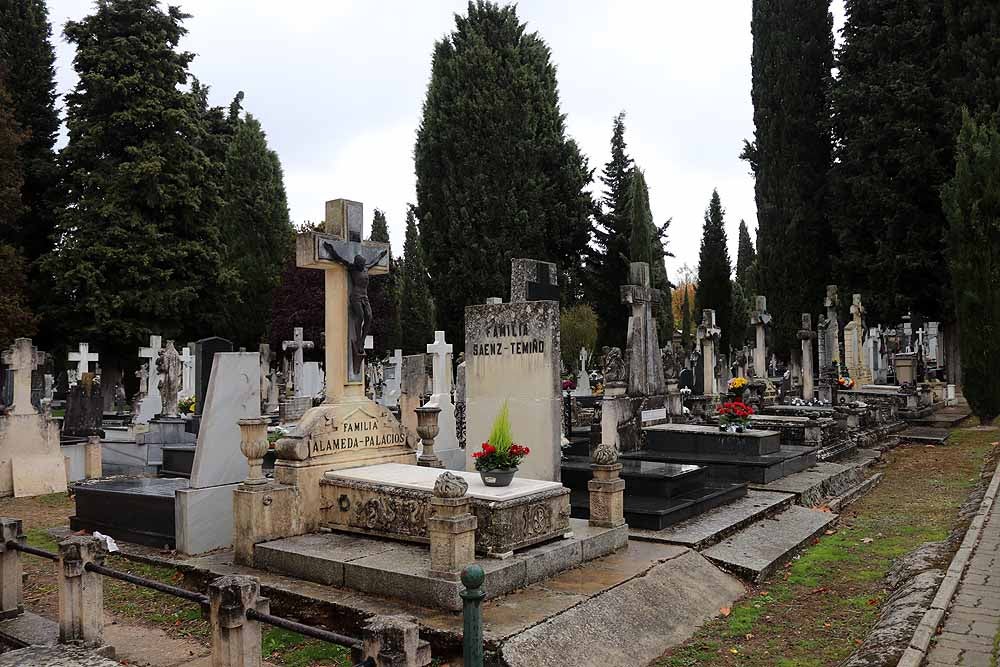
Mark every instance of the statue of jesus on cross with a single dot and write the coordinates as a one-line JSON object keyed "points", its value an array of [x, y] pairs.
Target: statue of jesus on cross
{"points": [[361, 308]]}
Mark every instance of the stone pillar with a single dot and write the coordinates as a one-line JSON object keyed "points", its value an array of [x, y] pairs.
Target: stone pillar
{"points": [[806, 335], [235, 638], [451, 527], [92, 467], [81, 593], [708, 335], [607, 489], [427, 429], [759, 319], [11, 586], [394, 641], [264, 512]]}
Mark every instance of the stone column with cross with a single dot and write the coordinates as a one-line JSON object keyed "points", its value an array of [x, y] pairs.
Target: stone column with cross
{"points": [[446, 443], [83, 358], [298, 345], [22, 358], [759, 319], [708, 337], [645, 364], [806, 335], [151, 403], [831, 332]]}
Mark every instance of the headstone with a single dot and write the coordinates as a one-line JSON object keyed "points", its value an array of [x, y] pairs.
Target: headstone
{"points": [[582, 378], [84, 409], [831, 332], [854, 353], [806, 336], [273, 392], [149, 387], [187, 372], [205, 351], [708, 337], [392, 376], [644, 361], [83, 358], [759, 320], [298, 345], [533, 280], [933, 345], [686, 379], [312, 380], [446, 443], [512, 357], [413, 389]]}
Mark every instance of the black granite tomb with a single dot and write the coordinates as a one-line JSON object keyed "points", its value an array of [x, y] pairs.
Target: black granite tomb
{"points": [[135, 510]]}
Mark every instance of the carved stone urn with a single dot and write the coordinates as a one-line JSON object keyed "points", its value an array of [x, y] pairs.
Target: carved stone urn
{"points": [[428, 429], [253, 444]]}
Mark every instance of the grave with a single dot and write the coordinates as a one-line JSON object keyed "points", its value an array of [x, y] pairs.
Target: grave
{"points": [[583, 388], [854, 352], [312, 380], [205, 351], [446, 443], [83, 357]]}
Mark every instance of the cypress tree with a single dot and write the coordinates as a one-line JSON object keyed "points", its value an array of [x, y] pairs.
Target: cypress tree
{"points": [[686, 326], [972, 200], [27, 54], [138, 249], [894, 152], [12, 137], [641, 229], [746, 257], [739, 322], [972, 56], [714, 269], [256, 230], [382, 295], [416, 306], [658, 275], [497, 177], [611, 232], [790, 157]]}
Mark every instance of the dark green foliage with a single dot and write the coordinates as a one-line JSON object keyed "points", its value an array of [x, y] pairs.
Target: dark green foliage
{"points": [[16, 318], [714, 269], [739, 322], [257, 234], [416, 306], [497, 177], [607, 263], [382, 293], [577, 330], [746, 260], [894, 152], [973, 56], [686, 321], [137, 249], [12, 137], [790, 157], [298, 301], [641, 229], [972, 201], [27, 55]]}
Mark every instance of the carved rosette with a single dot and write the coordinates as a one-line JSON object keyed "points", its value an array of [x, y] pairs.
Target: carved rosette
{"points": [[450, 485]]}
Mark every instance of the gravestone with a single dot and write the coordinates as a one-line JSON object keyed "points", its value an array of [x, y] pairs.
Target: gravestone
{"points": [[759, 320], [854, 352], [187, 372], [533, 280], [83, 357], [7, 392], [392, 376], [205, 351], [413, 389], [512, 357], [708, 337], [151, 403], [645, 375], [807, 335], [311, 380], [264, 350], [686, 379], [84, 409], [298, 346], [446, 443]]}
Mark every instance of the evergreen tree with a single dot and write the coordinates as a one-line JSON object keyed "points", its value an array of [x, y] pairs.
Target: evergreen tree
{"points": [[972, 56], [607, 266], [298, 301], [27, 54], [739, 322], [138, 250], [894, 152], [686, 323], [416, 306], [746, 259], [714, 269], [791, 156], [658, 276], [382, 295], [12, 137], [972, 200], [256, 230], [641, 229], [497, 177], [16, 317]]}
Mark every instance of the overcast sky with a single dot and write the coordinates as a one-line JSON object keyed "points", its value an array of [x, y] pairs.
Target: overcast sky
{"points": [[339, 84]]}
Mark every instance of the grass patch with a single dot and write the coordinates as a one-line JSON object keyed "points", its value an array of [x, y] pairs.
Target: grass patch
{"points": [[294, 650], [822, 605], [139, 604]]}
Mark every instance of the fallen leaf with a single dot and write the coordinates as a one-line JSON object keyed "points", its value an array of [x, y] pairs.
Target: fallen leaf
{"points": [[830, 532], [828, 625], [764, 594], [748, 636], [873, 602], [821, 589], [725, 611], [734, 651], [867, 540]]}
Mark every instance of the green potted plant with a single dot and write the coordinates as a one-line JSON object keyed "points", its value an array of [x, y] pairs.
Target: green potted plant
{"points": [[499, 457]]}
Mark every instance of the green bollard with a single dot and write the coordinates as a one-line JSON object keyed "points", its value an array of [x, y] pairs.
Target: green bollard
{"points": [[472, 615]]}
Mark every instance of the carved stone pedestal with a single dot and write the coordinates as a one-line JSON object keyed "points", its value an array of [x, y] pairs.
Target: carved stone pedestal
{"points": [[607, 490], [451, 528]]}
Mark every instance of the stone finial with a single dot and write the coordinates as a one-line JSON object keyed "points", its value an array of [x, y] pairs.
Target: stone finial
{"points": [[605, 455], [450, 485]]}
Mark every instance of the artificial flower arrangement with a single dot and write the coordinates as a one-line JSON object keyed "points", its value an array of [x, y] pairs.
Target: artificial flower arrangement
{"points": [[734, 416], [845, 382], [738, 384], [186, 405], [568, 385], [499, 454]]}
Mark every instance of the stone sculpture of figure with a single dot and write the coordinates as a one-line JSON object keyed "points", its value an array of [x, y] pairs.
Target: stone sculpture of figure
{"points": [[361, 309], [670, 365], [614, 365], [169, 368]]}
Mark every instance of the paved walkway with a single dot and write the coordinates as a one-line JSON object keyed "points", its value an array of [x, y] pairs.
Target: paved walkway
{"points": [[971, 631]]}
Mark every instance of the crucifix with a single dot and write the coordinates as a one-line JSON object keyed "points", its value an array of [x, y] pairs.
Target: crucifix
{"points": [[83, 359], [23, 358], [347, 262]]}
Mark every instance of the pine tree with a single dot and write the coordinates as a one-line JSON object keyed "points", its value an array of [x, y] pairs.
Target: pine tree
{"points": [[497, 177], [746, 259], [972, 200], [714, 269], [607, 267], [791, 156], [416, 306], [894, 152], [138, 249], [256, 230], [658, 276], [382, 295], [26, 52]]}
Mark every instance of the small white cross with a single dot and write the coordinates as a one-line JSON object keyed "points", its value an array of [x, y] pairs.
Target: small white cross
{"points": [[151, 353], [83, 359], [442, 359], [187, 375]]}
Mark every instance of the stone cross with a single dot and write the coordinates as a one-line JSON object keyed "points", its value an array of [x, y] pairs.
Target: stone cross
{"points": [[151, 353], [187, 372], [645, 377], [298, 345], [583, 359], [759, 319], [83, 359], [442, 369], [832, 333], [806, 335], [343, 235], [22, 358], [708, 335]]}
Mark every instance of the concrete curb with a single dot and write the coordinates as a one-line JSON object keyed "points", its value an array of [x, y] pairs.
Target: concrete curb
{"points": [[921, 641]]}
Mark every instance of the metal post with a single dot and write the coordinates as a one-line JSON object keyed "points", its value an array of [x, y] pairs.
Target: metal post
{"points": [[472, 615]]}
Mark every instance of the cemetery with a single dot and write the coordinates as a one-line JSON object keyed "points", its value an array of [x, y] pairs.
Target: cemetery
{"points": [[537, 436]]}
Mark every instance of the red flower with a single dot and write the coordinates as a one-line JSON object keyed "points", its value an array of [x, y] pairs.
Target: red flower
{"points": [[476, 455], [488, 448]]}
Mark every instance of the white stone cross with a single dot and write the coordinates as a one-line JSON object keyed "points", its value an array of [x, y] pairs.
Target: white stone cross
{"points": [[187, 374], [583, 359], [150, 353], [297, 345], [22, 358], [83, 359], [442, 368]]}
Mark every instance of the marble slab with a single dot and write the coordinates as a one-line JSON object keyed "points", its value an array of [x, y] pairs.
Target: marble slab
{"points": [[422, 479]]}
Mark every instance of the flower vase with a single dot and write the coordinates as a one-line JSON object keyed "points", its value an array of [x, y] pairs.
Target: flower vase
{"points": [[498, 477]]}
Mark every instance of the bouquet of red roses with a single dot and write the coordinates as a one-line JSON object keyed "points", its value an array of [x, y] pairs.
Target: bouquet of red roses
{"points": [[734, 413]]}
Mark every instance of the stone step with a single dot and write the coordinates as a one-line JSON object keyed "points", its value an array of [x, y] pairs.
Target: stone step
{"points": [[655, 513], [925, 434], [753, 469], [760, 549], [703, 531], [822, 481], [944, 418]]}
